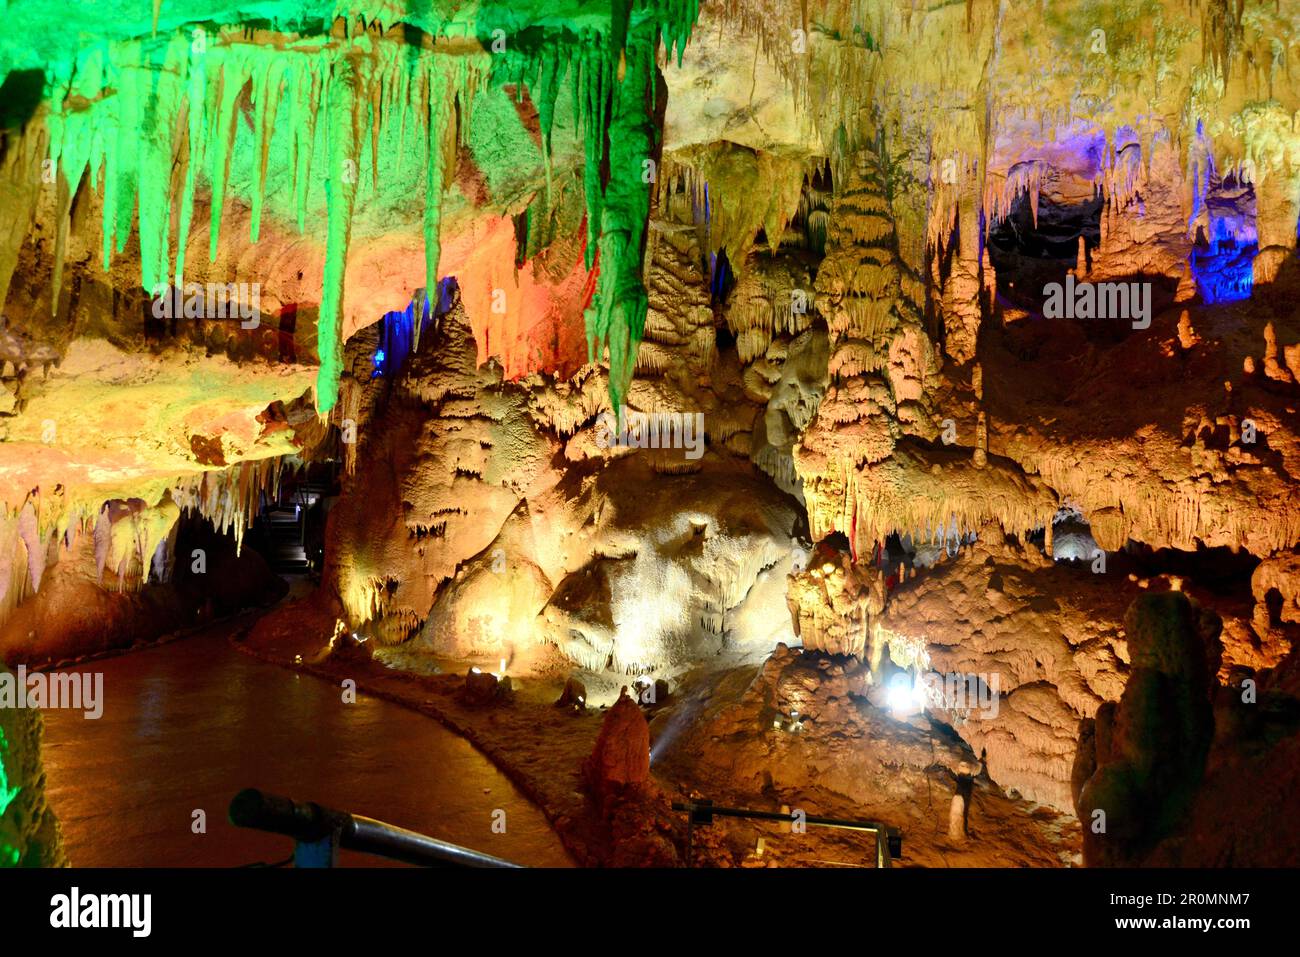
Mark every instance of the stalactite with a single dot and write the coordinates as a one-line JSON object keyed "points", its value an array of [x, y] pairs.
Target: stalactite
{"points": [[184, 97], [438, 123], [732, 192], [340, 189], [267, 84], [131, 539], [185, 93], [1002, 192], [616, 321]]}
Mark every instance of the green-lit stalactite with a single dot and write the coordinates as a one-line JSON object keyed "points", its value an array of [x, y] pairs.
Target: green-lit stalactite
{"points": [[341, 193], [192, 158], [155, 116], [613, 76], [266, 99], [159, 117], [438, 121], [616, 320]]}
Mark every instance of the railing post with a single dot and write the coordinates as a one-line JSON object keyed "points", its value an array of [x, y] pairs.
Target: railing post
{"points": [[889, 840], [322, 853]]}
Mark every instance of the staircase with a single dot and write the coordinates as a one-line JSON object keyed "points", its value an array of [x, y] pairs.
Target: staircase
{"points": [[285, 525], [284, 530]]}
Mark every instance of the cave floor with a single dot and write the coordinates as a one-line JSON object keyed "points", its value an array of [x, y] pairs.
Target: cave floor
{"points": [[541, 749], [188, 724]]}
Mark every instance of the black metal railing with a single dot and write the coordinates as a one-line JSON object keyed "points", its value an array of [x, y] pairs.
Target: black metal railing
{"points": [[320, 832], [889, 840]]}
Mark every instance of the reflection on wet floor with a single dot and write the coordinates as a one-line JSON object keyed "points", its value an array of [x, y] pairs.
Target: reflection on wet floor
{"points": [[188, 724]]}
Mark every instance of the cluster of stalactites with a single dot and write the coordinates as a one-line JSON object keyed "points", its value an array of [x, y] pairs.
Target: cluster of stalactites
{"points": [[156, 114], [230, 498], [904, 496], [730, 192], [134, 540], [153, 116], [1002, 191], [614, 73]]}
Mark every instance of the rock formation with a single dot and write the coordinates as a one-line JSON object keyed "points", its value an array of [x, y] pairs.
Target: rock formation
{"points": [[1149, 749], [620, 762], [29, 832]]}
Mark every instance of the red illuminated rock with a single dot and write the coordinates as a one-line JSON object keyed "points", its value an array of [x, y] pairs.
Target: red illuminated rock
{"points": [[620, 762]]}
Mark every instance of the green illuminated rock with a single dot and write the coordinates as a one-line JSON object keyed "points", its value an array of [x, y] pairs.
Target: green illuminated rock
{"points": [[286, 108], [29, 833]]}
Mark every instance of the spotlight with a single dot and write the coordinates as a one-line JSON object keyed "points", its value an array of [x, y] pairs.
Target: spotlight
{"points": [[904, 694]]}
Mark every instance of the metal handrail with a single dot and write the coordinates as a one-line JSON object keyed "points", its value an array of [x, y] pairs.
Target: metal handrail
{"points": [[319, 833], [889, 840]]}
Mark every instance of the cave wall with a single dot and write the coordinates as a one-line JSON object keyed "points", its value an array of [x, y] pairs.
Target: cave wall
{"points": [[29, 832]]}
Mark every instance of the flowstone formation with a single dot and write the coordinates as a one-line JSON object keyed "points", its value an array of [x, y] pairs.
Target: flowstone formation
{"points": [[1050, 638], [523, 525], [833, 603]]}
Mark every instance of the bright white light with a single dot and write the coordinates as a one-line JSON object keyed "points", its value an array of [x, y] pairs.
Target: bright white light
{"points": [[904, 694]]}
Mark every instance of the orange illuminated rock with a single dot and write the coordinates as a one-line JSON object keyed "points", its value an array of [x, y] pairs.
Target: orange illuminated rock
{"points": [[833, 601], [620, 762]]}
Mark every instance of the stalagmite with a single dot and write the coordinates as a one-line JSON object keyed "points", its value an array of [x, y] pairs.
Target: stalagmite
{"points": [[959, 808], [957, 818]]}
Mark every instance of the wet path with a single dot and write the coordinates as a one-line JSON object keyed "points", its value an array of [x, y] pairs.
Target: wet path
{"points": [[187, 725]]}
